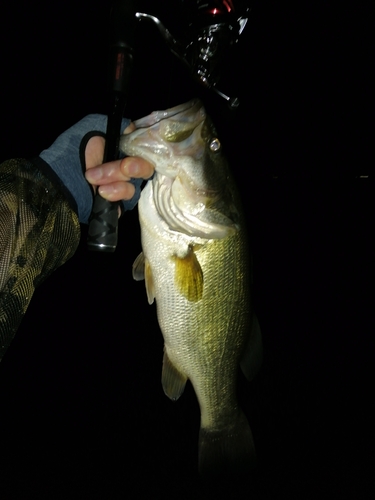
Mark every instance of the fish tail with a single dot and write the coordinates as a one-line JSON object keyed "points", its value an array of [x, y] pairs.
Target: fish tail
{"points": [[229, 452]]}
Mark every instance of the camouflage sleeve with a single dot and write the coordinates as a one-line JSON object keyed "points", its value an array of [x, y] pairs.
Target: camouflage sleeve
{"points": [[39, 231]]}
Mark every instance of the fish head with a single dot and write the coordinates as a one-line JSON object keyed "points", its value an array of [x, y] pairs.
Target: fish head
{"points": [[183, 146], [163, 137]]}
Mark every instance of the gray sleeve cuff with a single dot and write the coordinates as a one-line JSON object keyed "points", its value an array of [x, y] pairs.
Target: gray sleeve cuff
{"points": [[64, 159]]}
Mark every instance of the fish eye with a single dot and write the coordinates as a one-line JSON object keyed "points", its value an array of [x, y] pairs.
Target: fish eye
{"points": [[215, 145]]}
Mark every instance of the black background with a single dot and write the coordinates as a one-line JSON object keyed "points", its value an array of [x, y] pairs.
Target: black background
{"points": [[82, 411]]}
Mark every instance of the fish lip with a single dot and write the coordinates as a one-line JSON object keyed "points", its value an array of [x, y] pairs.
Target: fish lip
{"points": [[158, 116]]}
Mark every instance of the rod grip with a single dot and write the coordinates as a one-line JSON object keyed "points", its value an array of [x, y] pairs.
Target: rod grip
{"points": [[103, 232]]}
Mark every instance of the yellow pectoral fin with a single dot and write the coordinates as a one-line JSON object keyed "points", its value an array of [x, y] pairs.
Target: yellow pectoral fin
{"points": [[188, 276]]}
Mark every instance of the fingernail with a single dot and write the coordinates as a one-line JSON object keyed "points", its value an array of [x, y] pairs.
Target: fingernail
{"points": [[132, 168], [106, 191], [93, 174]]}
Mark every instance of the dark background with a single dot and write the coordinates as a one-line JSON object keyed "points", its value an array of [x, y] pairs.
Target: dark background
{"points": [[82, 411]]}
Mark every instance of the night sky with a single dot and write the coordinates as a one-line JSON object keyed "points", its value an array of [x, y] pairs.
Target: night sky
{"points": [[82, 411]]}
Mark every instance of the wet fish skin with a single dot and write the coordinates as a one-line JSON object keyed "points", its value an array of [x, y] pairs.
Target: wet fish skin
{"points": [[195, 263]]}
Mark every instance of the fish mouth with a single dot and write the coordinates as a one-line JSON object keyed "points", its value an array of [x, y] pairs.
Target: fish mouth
{"points": [[191, 106]]}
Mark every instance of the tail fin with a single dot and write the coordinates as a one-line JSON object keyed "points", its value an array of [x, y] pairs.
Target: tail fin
{"points": [[227, 453]]}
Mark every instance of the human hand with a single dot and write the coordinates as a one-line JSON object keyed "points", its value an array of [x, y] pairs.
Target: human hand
{"points": [[80, 149], [112, 178]]}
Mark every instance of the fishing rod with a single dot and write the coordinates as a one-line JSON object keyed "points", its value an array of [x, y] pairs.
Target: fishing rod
{"points": [[213, 27], [103, 223]]}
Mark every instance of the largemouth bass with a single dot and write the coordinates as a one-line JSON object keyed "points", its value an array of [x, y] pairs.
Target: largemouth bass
{"points": [[195, 263]]}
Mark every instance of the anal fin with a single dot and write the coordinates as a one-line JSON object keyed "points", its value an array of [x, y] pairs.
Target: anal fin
{"points": [[172, 379]]}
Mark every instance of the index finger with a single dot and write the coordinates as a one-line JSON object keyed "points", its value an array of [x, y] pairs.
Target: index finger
{"points": [[129, 128], [134, 166]]}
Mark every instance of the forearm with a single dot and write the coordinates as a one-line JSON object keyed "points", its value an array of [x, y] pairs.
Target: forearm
{"points": [[39, 231]]}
